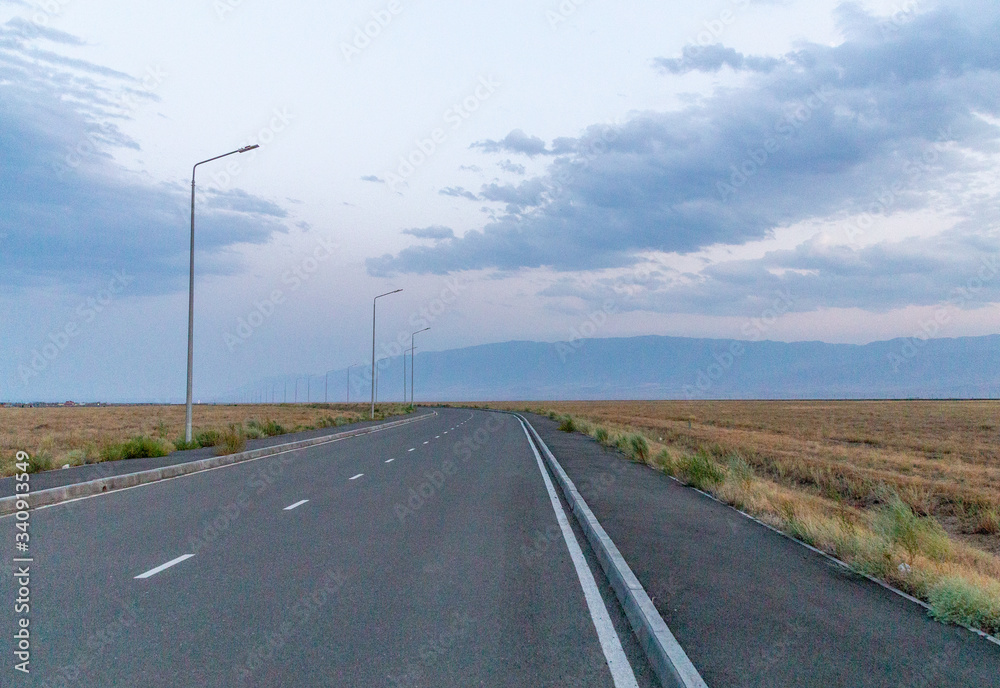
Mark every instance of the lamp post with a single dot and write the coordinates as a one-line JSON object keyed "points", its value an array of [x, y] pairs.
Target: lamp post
{"points": [[412, 351], [374, 301], [190, 361]]}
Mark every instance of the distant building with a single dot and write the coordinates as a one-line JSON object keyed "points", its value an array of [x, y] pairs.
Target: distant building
{"points": [[70, 403]]}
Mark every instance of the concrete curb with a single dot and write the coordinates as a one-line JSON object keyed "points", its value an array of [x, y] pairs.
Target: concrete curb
{"points": [[665, 655], [55, 495]]}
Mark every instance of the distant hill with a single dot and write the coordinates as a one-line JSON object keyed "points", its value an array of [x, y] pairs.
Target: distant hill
{"points": [[682, 368]]}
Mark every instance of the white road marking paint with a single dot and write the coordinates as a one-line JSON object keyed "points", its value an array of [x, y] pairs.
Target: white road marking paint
{"points": [[414, 449], [164, 567], [611, 644], [390, 460], [428, 442], [357, 476], [437, 437], [295, 506]]}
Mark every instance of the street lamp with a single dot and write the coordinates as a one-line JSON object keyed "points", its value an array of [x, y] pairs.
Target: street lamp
{"points": [[412, 351], [190, 362], [374, 301]]}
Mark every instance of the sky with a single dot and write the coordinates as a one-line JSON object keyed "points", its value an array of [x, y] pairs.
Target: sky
{"points": [[527, 170]]}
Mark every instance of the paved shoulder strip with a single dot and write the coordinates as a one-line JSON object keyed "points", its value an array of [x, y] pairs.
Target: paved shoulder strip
{"points": [[621, 670], [8, 505], [669, 661]]}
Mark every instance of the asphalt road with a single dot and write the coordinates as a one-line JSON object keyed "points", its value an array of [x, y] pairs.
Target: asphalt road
{"points": [[425, 555], [753, 608], [106, 469]]}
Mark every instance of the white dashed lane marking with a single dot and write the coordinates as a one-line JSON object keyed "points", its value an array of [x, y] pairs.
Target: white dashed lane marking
{"points": [[164, 567], [295, 506], [357, 476], [390, 460]]}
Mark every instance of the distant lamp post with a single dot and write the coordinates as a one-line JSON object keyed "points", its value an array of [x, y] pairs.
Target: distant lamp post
{"points": [[413, 350], [374, 301], [190, 361]]}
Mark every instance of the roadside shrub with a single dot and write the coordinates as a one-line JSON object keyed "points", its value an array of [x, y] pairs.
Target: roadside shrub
{"points": [[568, 425], [602, 436], [232, 441], [140, 447], [699, 470], [183, 445], [254, 430], [957, 600], [272, 428], [637, 448], [665, 462], [208, 438], [897, 523], [740, 471], [41, 460], [553, 415]]}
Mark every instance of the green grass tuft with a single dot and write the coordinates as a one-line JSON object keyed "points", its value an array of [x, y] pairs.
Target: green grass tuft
{"points": [[699, 470], [956, 600]]}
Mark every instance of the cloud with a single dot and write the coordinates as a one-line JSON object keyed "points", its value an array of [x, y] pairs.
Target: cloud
{"points": [[436, 232], [372, 178], [70, 212], [815, 137], [515, 142], [458, 192], [712, 58], [512, 167]]}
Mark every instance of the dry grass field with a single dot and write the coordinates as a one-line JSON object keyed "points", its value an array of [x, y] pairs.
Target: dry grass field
{"points": [[908, 491], [90, 434]]}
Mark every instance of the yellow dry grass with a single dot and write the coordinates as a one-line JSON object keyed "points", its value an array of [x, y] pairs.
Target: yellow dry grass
{"points": [[59, 431]]}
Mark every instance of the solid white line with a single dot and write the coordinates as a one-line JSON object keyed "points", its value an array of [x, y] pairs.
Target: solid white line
{"points": [[390, 460], [295, 506], [164, 567], [357, 476], [611, 644]]}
